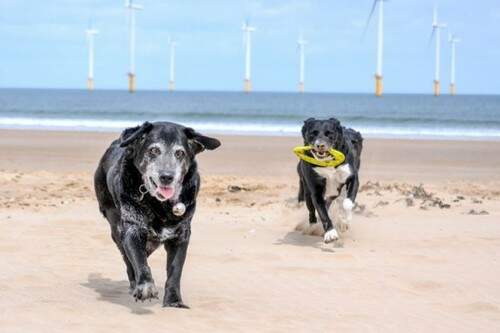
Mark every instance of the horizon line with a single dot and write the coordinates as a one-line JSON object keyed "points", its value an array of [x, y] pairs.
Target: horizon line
{"points": [[243, 92]]}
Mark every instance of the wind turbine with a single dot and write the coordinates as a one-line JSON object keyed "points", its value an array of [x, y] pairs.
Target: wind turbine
{"points": [[247, 33], [131, 17], [171, 82], [436, 31], [90, 39], [379, 86], [453, 41], [301, 46]]}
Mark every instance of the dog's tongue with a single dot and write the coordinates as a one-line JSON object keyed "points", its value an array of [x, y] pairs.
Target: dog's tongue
{"points": [[166, 192]]}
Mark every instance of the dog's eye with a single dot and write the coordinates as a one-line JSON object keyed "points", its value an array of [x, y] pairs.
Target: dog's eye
{"points": [[154, 151], [179, 154], [315, 133], [327, 133]]}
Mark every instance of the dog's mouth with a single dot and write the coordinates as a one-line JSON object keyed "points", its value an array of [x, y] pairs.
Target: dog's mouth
{"points": [[162, 193], [321, 155]]}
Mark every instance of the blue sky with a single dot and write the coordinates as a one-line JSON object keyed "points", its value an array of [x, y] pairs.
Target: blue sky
{"points": [[44, 44]]}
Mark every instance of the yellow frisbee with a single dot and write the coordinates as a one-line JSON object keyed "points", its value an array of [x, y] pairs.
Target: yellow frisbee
{"points": [[338, 157]]}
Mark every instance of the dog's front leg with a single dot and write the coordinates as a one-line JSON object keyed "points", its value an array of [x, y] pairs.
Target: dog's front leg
{"points": [[176, 255], [134, 244], [320, 204], [310, 207], [352, 185]]}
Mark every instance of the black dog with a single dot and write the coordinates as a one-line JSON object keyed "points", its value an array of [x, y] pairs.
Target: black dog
{"points": [[146, 184], [320, 186]]}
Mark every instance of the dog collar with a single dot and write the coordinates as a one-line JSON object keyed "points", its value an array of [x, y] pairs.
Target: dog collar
{"points": [[338, 157]]}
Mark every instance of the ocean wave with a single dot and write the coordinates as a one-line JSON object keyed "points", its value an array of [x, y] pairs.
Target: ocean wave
{"points": [[246, 128], [372, 119]]}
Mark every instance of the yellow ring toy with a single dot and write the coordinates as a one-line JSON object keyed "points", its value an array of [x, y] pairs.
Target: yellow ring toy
{"points": [[338, 157]]}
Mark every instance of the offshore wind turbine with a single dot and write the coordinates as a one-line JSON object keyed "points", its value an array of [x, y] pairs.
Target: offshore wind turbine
{"points": [[453, 41], [379, 86], [131, 20], [171, 83], [436, 32], [301, 46], [90, 40], [247, 39]]}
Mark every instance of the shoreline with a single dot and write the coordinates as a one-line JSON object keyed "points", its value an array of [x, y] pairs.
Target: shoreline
{"points": [[367, 135]]}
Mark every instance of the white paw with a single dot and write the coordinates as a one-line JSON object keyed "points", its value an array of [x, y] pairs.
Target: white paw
{"points": [[331, 236], [348, 204]]}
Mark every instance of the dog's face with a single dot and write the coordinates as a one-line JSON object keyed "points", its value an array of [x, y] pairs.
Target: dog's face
{"points": [[322, 135], [163, 153]]}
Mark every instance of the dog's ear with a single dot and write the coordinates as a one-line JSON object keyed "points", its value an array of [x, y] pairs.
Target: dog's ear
{"points": [[307, 122], [200, 142], [131, 134], [336, 123]]}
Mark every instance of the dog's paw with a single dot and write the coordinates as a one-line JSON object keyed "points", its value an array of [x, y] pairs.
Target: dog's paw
{"points": [[145, 291], [178, 305], [331, 236], [348, 205]]}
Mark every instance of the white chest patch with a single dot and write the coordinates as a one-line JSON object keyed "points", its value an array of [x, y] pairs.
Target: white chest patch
{"points": [[335, 178]]}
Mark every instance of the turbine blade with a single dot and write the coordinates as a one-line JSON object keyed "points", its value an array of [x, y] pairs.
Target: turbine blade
{"points": [[374, 5], [431, 38]]}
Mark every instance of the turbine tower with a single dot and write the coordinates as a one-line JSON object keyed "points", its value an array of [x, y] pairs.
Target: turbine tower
{"points": [[131, 20], [171, 82], [453, 41], [436, 32], [301, 46], [379, 86], [247, 33], [90, 39]]}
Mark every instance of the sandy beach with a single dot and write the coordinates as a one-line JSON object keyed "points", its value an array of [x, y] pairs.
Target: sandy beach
{"points": [[422, 252]]}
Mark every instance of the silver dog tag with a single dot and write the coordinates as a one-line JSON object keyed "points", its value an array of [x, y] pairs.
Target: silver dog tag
{"points": [[179, 209]]}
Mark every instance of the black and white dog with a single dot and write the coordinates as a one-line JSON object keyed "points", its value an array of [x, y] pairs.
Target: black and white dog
{"points": [[146, 184], [321, 186]]}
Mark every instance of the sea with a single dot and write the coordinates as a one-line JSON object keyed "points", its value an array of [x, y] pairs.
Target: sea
{"points": [[258, 113]]}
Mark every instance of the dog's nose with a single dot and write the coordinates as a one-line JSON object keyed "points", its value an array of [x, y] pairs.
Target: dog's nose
{"points": [[320, 145], [166, 178]]}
